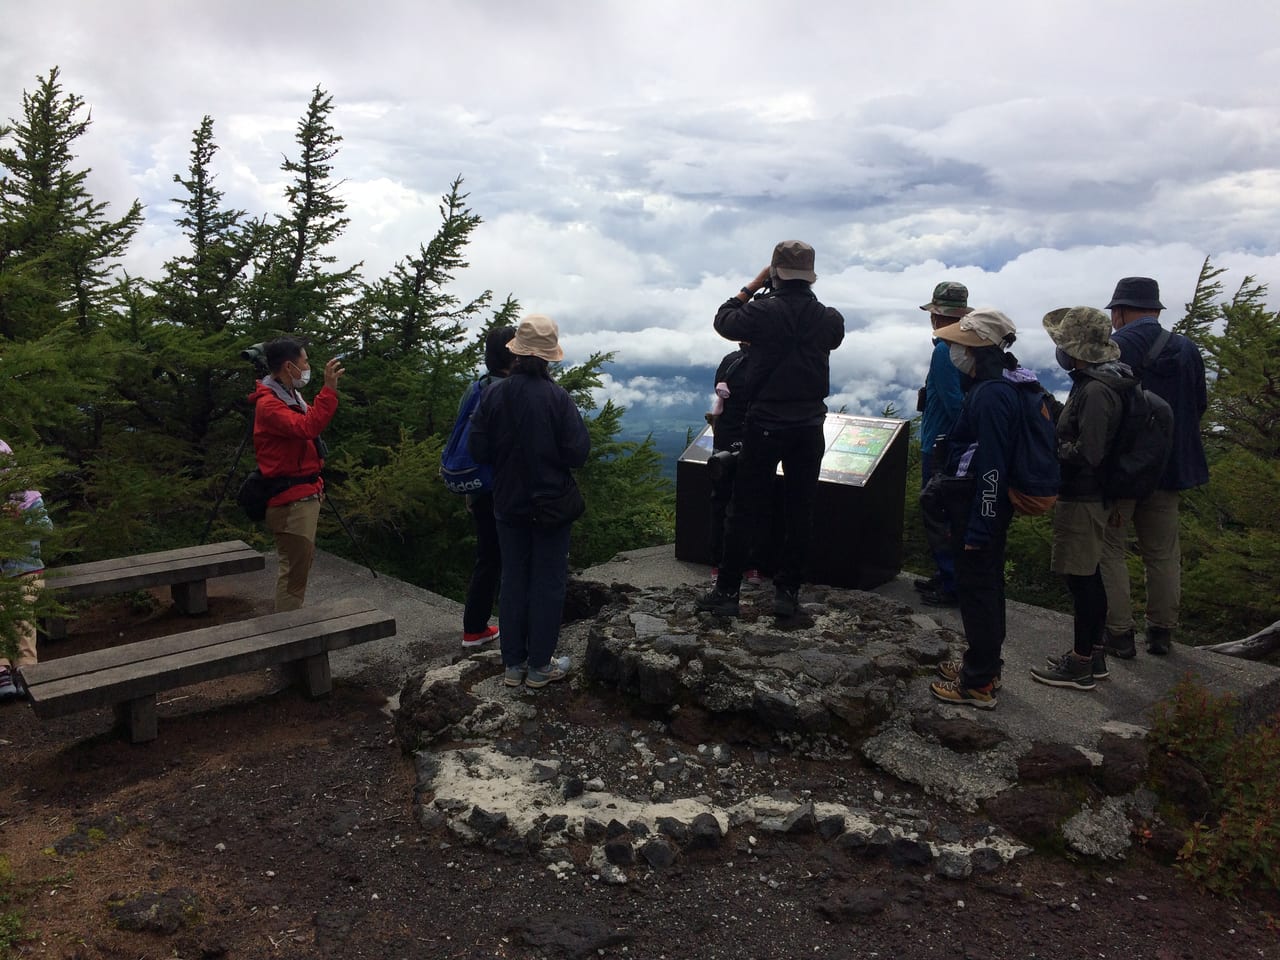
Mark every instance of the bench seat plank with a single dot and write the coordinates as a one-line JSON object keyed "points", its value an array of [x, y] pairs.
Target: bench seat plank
{"points": [[132, 671], [165, 568]]}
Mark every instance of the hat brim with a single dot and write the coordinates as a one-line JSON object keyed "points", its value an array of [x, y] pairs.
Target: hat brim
{"points": [[530, 350], [786, 273], [1094, 352], [946, 311], [1135, 304], [966, 338]]}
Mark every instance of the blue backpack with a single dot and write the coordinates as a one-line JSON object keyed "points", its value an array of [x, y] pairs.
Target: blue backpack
{"points": [[460, 473], [1034, 473]]}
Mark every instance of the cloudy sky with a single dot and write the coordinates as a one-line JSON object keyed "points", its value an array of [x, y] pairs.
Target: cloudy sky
{"points": [[634, 162]]}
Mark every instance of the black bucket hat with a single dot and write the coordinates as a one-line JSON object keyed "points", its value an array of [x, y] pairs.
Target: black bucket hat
{"points": [[1140, 292]]}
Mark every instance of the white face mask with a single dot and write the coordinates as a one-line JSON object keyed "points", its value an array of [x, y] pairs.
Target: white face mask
{"points": [[962, 359], [303, 378]]}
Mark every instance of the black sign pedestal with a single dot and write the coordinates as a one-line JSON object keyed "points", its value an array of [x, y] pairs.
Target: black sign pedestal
{"points": [[857, 518]]}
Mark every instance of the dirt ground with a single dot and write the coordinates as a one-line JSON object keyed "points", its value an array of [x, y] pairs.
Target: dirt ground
{"points": [[286, 828]]}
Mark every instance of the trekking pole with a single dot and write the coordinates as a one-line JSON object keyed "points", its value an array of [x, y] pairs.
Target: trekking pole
{"points": [[350, 536]]}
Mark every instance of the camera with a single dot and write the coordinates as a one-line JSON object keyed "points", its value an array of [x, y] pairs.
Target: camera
{"points": [[721, 463], [257, 355]]}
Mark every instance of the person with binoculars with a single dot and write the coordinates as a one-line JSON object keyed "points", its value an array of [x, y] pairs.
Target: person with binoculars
{"points": [[792, 335]]}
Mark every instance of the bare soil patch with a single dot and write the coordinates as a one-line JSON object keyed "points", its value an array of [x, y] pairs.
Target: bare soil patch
{"points": [[291, 822]]}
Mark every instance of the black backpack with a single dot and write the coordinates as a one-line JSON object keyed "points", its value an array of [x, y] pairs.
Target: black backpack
{"points": [[1133, 466]]}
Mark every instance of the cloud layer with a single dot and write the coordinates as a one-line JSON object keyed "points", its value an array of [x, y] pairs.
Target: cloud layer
{"points": [[635, 163]]}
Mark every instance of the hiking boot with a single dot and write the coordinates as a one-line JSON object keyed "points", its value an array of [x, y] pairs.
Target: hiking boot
{"points": [[514, 676], [8, 689], [953, 691], [1067, 671], [557, 669], [1097, 665], [719, 602], [1159, 640], [1119, 644], [481, 638], [933, 583], [753, 577], [951, 669], [940, 598], [785, 602]]}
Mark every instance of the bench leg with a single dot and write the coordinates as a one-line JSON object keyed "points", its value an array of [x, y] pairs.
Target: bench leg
{"points": [[137, 718], [191, 598], [314, 675], [51, 628]]}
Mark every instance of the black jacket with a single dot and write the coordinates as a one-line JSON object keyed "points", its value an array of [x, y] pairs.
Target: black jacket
{"points": [[735, 371], [531, 432], [792, 335]]}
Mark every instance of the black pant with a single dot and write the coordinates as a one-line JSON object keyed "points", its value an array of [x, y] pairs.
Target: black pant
{"points": [[488, 568], [1089, 598], [980, 584], [799, 450]]}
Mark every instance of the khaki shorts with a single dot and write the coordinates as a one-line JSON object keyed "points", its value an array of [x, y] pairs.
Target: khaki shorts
{"points": [[1079, 527]]}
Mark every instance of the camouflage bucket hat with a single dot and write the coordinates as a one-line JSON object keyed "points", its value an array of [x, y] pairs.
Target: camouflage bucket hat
{"points": [[1083, 333], [950, 299]]}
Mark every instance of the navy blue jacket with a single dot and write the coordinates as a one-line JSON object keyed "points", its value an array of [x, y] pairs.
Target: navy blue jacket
{"points": [[1177, 375], [531, 432], [979, 447], [791, 335]]}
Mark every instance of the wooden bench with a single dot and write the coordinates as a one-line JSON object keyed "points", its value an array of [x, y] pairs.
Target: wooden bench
{"points": [[185, 572], [129, 676]]}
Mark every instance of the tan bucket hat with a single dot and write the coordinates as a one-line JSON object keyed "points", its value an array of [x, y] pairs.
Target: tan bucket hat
{"points": [[537, 336]]}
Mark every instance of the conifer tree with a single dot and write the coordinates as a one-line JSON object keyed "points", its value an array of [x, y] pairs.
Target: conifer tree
{"points": [[58, 248], [296, 290]]}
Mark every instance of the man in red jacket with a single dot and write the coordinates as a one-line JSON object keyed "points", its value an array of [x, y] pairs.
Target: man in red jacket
{"points": [[287, 444]]}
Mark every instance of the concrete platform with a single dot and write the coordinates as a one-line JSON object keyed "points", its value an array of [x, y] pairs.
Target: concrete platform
{"points": [[430, 629], [1026, 709]]}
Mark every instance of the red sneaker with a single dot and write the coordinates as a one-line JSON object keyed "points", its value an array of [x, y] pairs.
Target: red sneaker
{"points": [[753, 577], [481, 638], [715, 575]]}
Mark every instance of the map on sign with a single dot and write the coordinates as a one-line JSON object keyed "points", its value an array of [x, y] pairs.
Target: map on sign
{"points": [[854, 446]]}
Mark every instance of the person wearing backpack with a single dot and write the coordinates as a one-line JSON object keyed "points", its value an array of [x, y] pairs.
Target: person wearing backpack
{"points": [[974, 489], [528, 428], [1086, 433], [1170, 366], [485, 574]]}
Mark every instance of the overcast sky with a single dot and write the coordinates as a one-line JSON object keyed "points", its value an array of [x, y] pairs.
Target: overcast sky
{"points": [[635, 162]]}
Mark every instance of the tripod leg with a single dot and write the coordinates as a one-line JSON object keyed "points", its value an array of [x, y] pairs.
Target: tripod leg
{"points": [[350, 536], [235, 463]]}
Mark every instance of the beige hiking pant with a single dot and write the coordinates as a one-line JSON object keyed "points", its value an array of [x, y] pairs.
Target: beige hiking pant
{"points": [[1155, 521], [294, 526]]}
